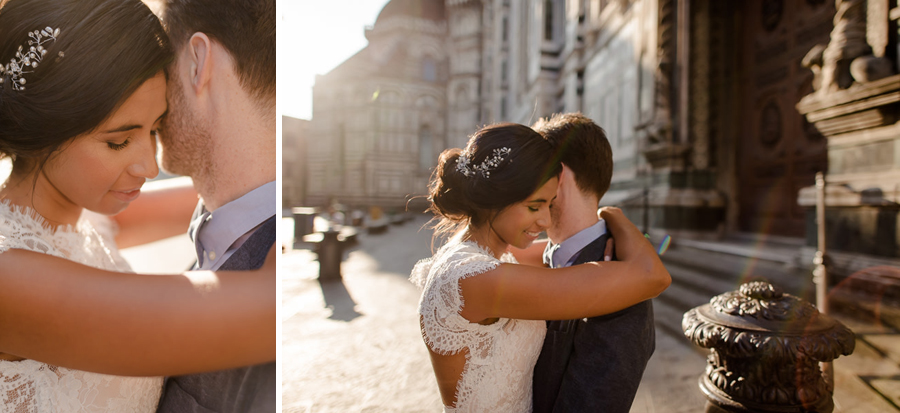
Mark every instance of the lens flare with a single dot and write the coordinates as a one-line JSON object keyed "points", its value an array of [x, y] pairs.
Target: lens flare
{"points": [[664, 245]]}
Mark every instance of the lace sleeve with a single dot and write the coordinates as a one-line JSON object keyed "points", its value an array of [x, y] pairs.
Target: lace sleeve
{"points": [[420, 271], [21, 229], [445, 331]]}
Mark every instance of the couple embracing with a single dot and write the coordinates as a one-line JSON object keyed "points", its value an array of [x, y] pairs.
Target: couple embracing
{"points": [[87, 89], [490, 289]]}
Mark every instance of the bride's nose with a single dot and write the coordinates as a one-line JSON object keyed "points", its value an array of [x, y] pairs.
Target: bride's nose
{"points": [[144, 165], [543, 220]]}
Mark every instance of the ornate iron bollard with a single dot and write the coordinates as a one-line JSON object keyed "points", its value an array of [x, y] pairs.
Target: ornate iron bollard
{"points": [[765, 349]]}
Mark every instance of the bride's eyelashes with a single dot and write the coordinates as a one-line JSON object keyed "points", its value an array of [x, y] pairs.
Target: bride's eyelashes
{"points": [[533, 209], [118, 146]]}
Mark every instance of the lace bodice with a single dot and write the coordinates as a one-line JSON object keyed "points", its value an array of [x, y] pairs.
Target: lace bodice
{"points": [[29, 386], [501, 356]]}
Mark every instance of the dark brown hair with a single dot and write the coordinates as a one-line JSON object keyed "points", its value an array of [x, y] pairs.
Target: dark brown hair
{"points": [[246, 28], [459, 199], [581, 144], [111, 47]]}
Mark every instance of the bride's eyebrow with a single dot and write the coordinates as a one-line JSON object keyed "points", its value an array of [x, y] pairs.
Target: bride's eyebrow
{"points": [[126, 128]]}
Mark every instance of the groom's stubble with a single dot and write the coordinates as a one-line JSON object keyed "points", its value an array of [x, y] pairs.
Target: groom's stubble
{"points": [[187, 147], [553, 231]]}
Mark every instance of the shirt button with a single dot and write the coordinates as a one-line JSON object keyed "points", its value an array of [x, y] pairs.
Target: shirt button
{"points": [[212, 255]]}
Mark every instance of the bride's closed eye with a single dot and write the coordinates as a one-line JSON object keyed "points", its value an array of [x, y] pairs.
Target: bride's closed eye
{"points": [[118, 146]]}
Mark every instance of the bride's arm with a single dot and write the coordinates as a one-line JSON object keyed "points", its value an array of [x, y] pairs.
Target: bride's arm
{"points": [[163, 210], [63, 313], [592, 289]]}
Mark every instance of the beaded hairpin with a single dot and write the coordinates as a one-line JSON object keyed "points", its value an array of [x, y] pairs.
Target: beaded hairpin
{"points": [[490, 163], [28, 58]]}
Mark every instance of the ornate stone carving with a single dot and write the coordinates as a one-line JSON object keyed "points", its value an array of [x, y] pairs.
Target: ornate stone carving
{"points": [[877, 28], [765, 349], [848, 41], [761, 300]]}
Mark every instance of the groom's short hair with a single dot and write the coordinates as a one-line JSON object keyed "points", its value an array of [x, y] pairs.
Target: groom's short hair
{"points": [[581, 145], [246, 28]]}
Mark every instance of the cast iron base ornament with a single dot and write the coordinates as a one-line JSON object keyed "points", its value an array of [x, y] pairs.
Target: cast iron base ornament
{"points": [[765, 349]]}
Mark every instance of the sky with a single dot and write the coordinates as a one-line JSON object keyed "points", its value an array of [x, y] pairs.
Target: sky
{"points": [[315, 36]]}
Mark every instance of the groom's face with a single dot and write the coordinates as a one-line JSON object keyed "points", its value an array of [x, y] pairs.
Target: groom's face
{"points": [[559, 207], [186, 141]]}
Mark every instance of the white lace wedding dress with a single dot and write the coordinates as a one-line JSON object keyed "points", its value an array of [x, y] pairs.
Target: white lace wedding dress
{"points": [[501, 356], [30, 386]]}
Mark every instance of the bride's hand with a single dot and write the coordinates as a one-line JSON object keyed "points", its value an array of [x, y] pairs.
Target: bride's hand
{"points": [[609, 213], [629, 240]]}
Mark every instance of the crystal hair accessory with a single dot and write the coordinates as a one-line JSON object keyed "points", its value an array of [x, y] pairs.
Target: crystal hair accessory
{"points": [[28, 58], [490, 163]]}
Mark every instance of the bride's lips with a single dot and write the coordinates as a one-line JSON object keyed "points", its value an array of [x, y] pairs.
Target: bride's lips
{"points": [[532, 235], [127, 196]]}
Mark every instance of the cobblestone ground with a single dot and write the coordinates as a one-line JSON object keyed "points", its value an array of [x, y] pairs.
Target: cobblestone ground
{"points": [[355, 346]]}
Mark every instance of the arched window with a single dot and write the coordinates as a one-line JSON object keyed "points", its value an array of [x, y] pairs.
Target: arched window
{"points": [[548, 19], [429, 70], [505, 29], [426, 150]]}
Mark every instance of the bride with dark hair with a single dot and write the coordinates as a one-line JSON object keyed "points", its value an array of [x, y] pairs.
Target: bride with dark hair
{"points": [[82, 97], [482, 313]]}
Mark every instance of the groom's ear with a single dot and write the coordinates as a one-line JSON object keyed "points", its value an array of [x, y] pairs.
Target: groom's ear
{"points": [[199, 54]]}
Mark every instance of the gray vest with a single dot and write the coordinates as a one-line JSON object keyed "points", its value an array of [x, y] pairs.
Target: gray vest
{"points": [[245, 389]]}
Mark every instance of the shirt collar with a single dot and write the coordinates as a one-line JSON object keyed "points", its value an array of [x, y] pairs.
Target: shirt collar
{"points": [[568, 250], [215, 232]]}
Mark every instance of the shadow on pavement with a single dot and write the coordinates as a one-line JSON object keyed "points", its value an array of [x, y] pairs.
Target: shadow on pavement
{"points": [[338, 299]]}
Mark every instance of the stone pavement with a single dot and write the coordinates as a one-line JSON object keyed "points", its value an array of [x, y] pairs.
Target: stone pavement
{"points": [[355, 346]]}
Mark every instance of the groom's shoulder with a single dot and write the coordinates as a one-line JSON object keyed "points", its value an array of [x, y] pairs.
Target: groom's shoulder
{"points": [[251, 255], [594, 250]]}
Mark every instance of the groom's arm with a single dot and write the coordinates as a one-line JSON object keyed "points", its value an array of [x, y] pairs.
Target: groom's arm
{"points": [[63, 313], [163, 210]]}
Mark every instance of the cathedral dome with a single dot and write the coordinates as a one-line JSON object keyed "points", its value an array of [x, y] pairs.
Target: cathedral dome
{"points": [[423, 9]]}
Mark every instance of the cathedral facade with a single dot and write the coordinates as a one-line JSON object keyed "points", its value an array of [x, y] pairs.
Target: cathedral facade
{"points": [[700, 99]]}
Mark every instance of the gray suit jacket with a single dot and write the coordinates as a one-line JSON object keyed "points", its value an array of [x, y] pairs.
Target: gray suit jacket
{"points": [[594, 365], [245, 389]]}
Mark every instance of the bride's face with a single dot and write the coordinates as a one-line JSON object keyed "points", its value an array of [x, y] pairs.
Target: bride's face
{"points": [[521, 223], [104, 170]]}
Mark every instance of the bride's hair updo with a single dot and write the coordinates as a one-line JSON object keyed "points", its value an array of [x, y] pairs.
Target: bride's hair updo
{"points": [[109, 48], [503, 164]]}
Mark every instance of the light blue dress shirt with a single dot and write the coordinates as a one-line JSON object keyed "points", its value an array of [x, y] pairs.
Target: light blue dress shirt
{"points": [[216, 235], [565, 253]]}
